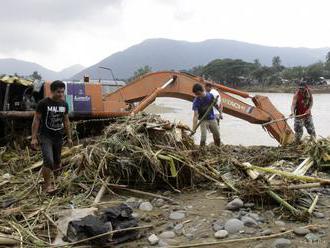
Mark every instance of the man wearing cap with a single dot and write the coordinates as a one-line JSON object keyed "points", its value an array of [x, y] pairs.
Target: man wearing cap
{"points": [[302, 104], [201, 106]]}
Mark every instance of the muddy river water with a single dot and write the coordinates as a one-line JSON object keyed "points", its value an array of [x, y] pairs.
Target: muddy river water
{"points": [[239, 132]]}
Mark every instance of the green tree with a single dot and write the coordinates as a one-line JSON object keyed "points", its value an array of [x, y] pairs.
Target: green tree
{"points": [[315, 71], [294, 73], [256, 62], [36, 76], [276, 61], [327, 66], [262, 74], [142, 70], [228, 70], [327, 58], [276, 64], [197, 70]]}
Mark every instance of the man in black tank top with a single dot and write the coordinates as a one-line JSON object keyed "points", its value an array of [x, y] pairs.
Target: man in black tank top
{"points": [[50, 122]]}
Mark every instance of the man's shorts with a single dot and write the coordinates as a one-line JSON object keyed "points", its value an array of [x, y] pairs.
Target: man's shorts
{"points": [[51, 152]]}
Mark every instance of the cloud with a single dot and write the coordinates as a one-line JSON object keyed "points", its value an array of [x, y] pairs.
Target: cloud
{"points": [[50, 11], [59, 33], [38, 25]]}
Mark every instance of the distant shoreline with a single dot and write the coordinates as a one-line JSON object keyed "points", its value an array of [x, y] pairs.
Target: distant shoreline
{"points": [[321, 89]]}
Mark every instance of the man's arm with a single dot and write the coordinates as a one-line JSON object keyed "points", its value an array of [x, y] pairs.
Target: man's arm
{"points": [[35, 129], [293, 105], [195, 120], [310, 106], [67, 129]]}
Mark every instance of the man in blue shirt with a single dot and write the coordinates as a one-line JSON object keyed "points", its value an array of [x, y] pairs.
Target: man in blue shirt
{"points": [[201, 104]]}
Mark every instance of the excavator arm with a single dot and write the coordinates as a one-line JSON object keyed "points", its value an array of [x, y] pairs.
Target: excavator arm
{"points": [[147, 88]]}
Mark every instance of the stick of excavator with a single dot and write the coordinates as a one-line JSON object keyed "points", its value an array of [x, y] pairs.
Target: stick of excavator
{"points": [[149, 99]]}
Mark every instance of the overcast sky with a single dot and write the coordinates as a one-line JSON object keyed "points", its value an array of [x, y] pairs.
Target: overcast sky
{"points": [[59, 33]]}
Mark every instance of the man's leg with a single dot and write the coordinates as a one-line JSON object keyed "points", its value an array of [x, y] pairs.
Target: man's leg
{"points": [[298, 129], [57, 148], [48, 162], [217, 117], [310, 127], [214, 128], [203, 133]]}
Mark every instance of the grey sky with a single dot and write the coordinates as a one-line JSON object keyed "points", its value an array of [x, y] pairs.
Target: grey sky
{"points": [[59, 33]]}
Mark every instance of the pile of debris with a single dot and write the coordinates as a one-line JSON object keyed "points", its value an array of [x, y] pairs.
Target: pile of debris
{"points": [[145, 150]]}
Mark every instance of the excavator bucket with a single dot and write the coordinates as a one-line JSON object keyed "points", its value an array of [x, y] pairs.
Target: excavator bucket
{"points": [[280, 129]]}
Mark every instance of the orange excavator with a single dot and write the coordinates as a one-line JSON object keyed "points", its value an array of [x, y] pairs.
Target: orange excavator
{"points": [[86, 101]]}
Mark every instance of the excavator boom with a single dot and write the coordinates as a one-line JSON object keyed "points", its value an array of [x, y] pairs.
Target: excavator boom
{"points": [[145, 90]]}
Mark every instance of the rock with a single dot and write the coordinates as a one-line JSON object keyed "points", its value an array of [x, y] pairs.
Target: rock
{"points": [[235, 204], [221, 234], [146, 206], [322, 234], [300, 231], [172, 242], [311, 237], [159, 202], [266, 232], [242, 213], [6, 176], [167, 235], [260, 246], [178, 215], [132, 202], [135, 215], [178, 229], [249, 205], [170, 226], [249, 231], [279, 223], [234, 226], [153, 239], [189, 236], [318, 215], [248, 221], [217, 226], [281, 243], [205, 235], [254, 216], [269, 215], [145, 218], [162, 243], [282, 229], [314, 229]]}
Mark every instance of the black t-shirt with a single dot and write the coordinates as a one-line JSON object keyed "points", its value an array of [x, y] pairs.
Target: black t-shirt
{"points": [[52, 118]]}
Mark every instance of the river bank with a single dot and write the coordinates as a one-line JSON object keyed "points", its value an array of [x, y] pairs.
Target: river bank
{"points": [[178, 194], [320, 89]]}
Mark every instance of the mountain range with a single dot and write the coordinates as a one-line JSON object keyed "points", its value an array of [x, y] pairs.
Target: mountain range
{"points": [[25, 68], [165, 54]]}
